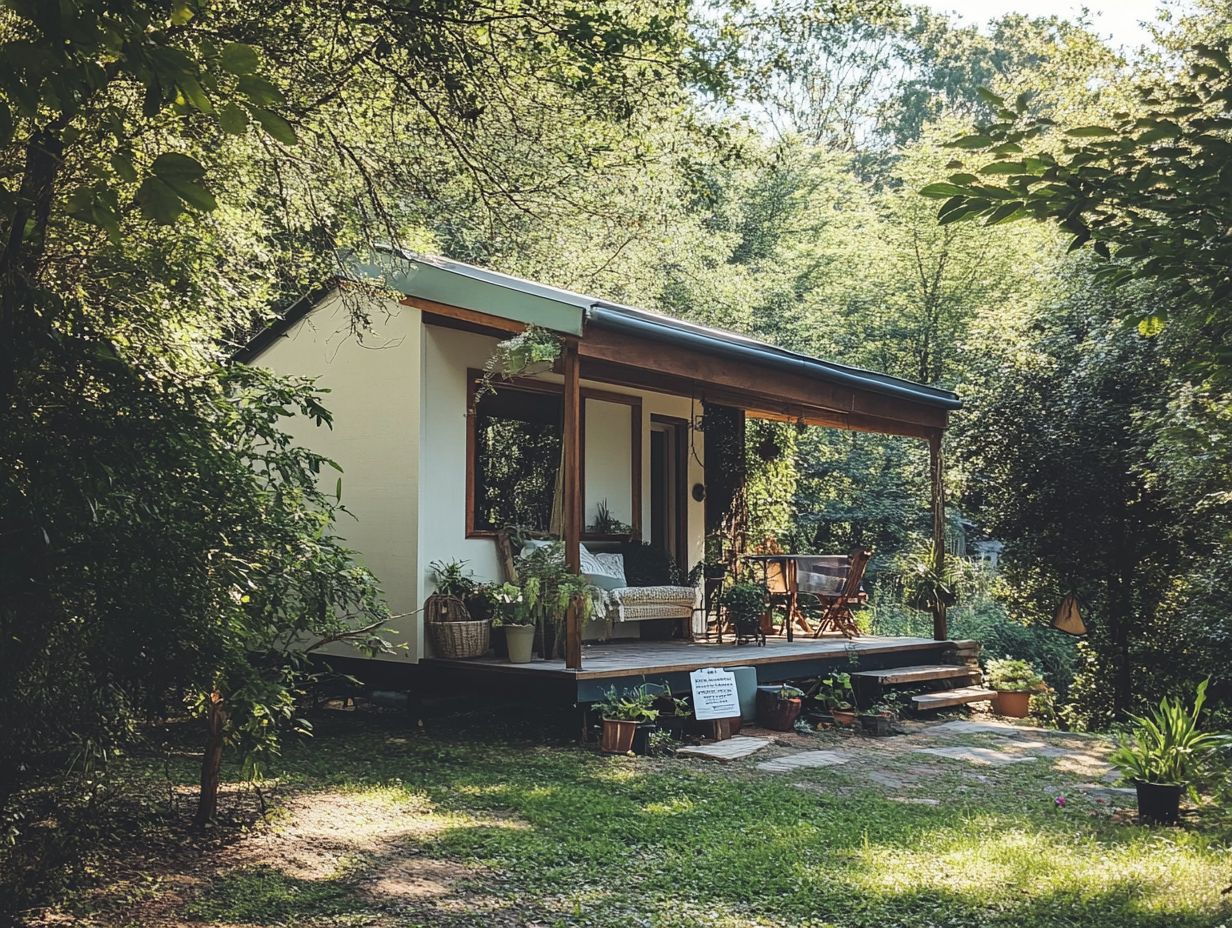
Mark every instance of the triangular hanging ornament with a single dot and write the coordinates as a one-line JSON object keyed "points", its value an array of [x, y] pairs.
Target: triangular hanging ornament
{"points": [[1068, 618]]}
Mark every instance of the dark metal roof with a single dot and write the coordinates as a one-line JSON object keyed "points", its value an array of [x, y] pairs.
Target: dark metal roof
{"points": [[721, 343], [488, 291]]}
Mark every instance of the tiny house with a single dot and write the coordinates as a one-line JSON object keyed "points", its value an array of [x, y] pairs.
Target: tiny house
{"points": [[431, 472]]}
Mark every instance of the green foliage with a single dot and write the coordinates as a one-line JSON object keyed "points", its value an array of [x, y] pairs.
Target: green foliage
{"points": [[451, 578], [836, 692], [631, 704], [745, 602], [531, 351], [1145, 191], [1167, 746], [548, 588], [1012, 675]]}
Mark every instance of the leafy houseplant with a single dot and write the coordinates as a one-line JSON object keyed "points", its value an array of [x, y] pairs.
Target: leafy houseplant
{"points": [[513, 613], [838, 697], [674, 712], [778, 707], [1164, 754], [607, 524], [623, 712], [746, 604], [454, 632], [1015, 681], [548, 587], [879, 718], [452, 579]]}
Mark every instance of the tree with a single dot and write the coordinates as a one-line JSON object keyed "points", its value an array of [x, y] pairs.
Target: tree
{"points": [[171, 170], [1148, 192], [1054, 463]]}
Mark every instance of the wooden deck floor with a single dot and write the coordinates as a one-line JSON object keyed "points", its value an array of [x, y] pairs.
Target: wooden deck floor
{"points": [[656, 659]]}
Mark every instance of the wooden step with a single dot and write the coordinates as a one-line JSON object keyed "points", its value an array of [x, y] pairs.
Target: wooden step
{"points": [[958, 697], [916, 674]]}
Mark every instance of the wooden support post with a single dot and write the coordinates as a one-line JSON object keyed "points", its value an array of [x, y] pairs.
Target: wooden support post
{"points": [[937, 472], [572, 486]]}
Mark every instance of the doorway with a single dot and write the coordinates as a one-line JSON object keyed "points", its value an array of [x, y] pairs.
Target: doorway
{"points": [[669, 470]]}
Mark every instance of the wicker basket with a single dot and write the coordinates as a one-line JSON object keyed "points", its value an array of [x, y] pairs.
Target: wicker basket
{"points": [[452, 631]]}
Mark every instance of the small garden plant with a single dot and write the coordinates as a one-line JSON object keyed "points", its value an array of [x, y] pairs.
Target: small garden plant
{"points": [[1167, 746], [1010, 675], [630, 705]]}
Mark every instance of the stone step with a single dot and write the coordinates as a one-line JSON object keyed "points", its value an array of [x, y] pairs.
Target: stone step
{"points": [[916, 674], [958, 697]]}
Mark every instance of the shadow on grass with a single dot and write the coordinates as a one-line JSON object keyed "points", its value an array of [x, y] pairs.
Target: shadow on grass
{"points": [[618, 838]]}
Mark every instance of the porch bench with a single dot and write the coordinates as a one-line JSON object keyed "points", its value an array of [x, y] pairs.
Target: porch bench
{"points": [[639, 603]]}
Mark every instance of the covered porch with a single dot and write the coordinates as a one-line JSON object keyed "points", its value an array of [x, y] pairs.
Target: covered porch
{"points": [[733, 377]]}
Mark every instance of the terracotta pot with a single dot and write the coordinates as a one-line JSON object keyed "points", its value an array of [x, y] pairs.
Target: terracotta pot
{"points": [[520, 640], [617, 737], [844, 717], [1015, 704], [775, 713]]}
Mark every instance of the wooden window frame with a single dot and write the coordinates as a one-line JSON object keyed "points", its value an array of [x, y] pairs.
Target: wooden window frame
{"points": [[526, 384]]}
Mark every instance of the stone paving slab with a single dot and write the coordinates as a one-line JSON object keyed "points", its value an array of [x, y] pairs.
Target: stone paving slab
{"points": [[790, 762], [986, 756], [725, 751]]}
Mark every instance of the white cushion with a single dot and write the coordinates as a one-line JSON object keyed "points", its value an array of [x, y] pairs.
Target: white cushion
{"points": [[598, 572], [810, 582], [613, 565]]}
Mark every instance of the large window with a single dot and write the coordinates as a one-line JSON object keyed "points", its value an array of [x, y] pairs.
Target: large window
{"points": [[515, 454]]}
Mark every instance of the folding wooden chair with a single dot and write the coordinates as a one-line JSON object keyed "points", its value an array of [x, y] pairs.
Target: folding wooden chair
{"points": [[836, 614]]}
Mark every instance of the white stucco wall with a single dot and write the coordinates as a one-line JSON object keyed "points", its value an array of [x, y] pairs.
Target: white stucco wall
{"points": [[399, 402], [609, 465], [374, 385], [447, 355]]}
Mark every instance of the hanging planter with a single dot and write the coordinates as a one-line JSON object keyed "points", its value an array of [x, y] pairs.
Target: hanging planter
{"points": [[534, 351]]}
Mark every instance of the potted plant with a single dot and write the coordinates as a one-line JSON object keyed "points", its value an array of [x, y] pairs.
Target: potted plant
{"points": [[1014, 680], [879, 718], [674, 713], [454, 632], [778, 707], [746, 604], [549, 587], [626, 715], [515, 618], [838, 697], [1164, 754]]}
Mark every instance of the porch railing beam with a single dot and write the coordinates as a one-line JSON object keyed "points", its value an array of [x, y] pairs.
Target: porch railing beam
{"points": [[572, 489]]}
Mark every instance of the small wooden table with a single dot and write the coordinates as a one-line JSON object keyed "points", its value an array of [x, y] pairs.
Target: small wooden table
{"points": [[788, 567]]}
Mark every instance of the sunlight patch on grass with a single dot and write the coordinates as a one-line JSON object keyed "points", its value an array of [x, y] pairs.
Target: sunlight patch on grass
{"points": [[990, 861]]}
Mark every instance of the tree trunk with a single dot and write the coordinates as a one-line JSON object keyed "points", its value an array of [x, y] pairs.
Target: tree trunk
{"points": [[211, 763], [22, 253]]}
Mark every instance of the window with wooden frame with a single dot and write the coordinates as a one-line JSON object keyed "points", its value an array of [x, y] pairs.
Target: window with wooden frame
{"points": [[513, 455]]}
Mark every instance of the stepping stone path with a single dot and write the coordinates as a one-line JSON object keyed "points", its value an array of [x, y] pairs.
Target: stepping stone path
{"points": [[725, 751], [977, 755], [792, 762]]}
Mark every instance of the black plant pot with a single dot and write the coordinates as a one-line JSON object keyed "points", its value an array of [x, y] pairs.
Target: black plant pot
{"points": [[673, 725], [641, 738], [1158, 803], [499, 647]]}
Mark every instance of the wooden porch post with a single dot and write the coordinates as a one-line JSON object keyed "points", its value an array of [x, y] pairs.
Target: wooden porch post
{"points": [[572, 484], [936, 470]]}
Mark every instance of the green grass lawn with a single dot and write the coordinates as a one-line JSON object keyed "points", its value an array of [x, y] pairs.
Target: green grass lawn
{"points": [[516, 832]]}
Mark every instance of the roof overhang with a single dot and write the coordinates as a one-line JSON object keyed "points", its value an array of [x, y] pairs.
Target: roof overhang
{"points": [[636, 347]]}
